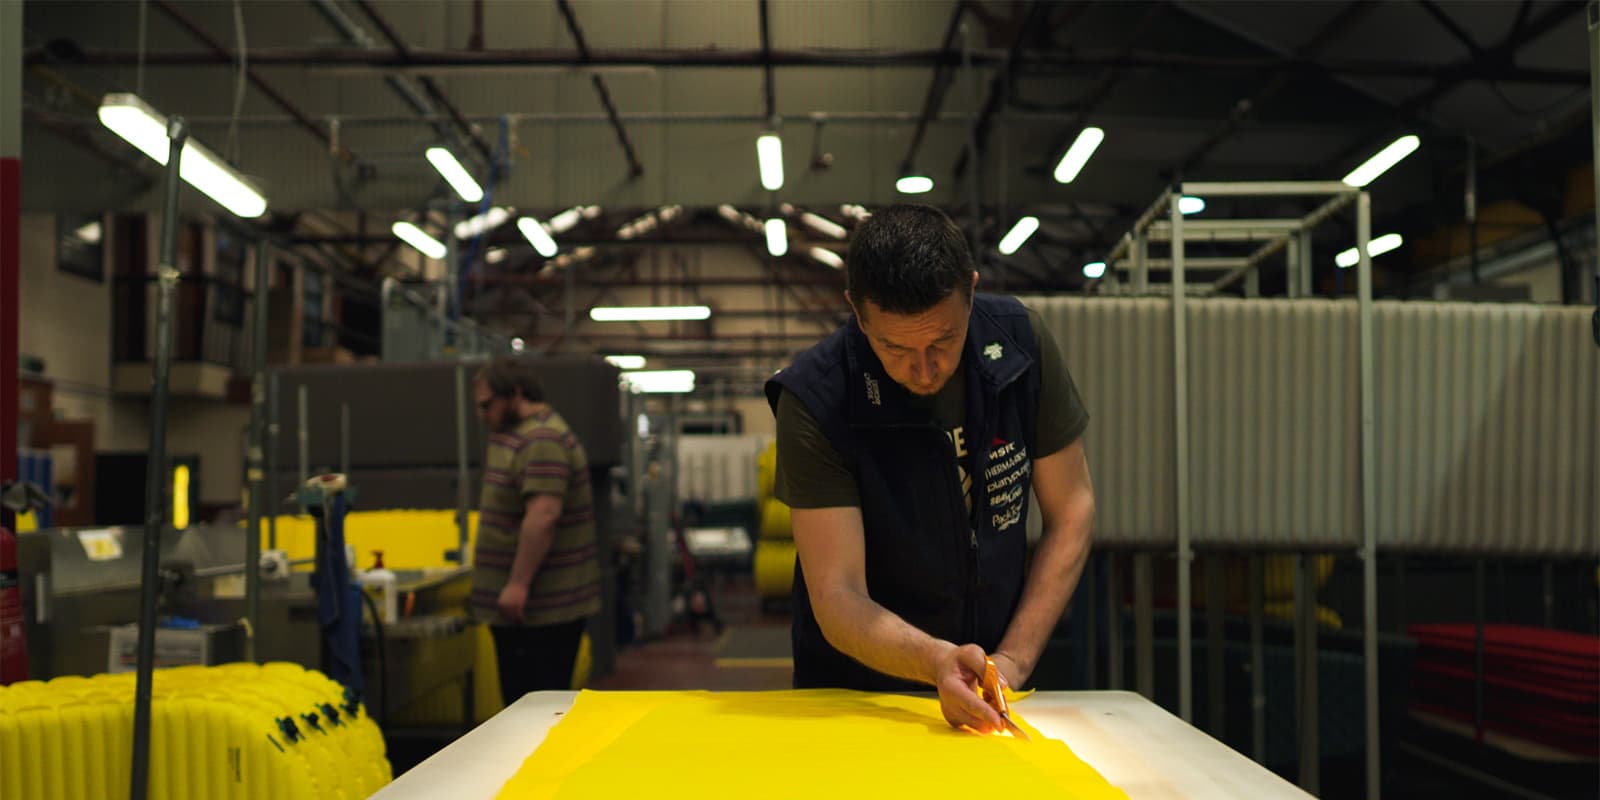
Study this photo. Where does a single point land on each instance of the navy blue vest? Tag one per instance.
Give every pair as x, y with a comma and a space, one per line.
924, 561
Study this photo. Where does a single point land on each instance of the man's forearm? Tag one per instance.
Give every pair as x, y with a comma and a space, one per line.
1057, 565
860, 628
533, 542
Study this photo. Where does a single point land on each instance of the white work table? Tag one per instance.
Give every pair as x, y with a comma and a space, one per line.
1135, 744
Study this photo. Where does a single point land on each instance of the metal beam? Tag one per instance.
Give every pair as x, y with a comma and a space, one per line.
1030, 26
766, 57
223, 56
635, 169
1476, 67
1246, 108
435, 60
405, 54
937, 88
1455, 29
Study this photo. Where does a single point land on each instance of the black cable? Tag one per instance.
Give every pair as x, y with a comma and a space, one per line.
383, 660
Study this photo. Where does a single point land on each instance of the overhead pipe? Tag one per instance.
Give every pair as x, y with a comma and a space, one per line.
948, 56
357, 35
1000, 83
221, 52
766, 59
432, 60
427, 83
635, 169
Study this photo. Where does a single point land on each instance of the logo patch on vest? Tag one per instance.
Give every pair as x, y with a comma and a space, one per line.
873, 394
1006, 482
992, 351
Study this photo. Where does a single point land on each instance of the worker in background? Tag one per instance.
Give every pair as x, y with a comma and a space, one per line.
908, 441
536, 578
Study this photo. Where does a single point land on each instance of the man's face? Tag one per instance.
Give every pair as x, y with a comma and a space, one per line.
919, 351
496, 412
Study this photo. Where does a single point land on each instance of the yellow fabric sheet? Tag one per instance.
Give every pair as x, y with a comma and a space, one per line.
807, 744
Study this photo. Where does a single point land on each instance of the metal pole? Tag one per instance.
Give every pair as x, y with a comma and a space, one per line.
1113, 623
258, 436
1307, 288
973, 175
1144, 625
303, 431
1472, 209
270, 502
1180, 417
156, 471
1594, 133
1141, 262
1547, 580
1215, 642
463, 490
1369, 491
1478, 589
1305, 601
1258, 676
1292, 271
344, 439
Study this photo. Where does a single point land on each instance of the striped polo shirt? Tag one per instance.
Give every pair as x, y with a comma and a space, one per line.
540, 456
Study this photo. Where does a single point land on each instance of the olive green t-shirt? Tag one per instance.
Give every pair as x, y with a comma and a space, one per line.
811, 473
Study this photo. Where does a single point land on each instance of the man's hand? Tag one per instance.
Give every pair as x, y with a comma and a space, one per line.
957, 671
512, 600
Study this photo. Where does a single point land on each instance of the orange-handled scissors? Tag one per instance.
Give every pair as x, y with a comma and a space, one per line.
996, 698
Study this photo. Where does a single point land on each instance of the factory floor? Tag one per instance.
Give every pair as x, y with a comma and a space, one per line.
705, 658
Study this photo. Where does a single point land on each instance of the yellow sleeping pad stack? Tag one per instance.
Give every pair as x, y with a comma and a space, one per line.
246, 731
774, 557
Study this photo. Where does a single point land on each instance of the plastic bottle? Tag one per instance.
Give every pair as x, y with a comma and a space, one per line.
380, 583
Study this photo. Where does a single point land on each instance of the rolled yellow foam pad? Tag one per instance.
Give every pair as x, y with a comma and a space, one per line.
236, 731
774, 567
766, 472
775, 520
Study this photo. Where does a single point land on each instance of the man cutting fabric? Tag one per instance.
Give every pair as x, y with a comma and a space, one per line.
908, 441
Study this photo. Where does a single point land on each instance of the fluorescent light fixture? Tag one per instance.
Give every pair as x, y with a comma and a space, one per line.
494, 255
414, 236
1019, 233
777, 237
1094, 269
537, 236
454, 174
769, 154
823, 225
1375, 248
661, 381
1191, 205
855, 212
914, 184
128, 116
828, 257
626, 362
569, 219
482, 223
518, 345
1380, 163
1078, 154
89, 232
648, 313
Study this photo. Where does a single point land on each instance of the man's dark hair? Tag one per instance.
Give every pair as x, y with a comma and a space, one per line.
907, 259
505, 375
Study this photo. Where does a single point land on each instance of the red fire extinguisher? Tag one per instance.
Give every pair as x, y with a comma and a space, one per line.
13, 645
